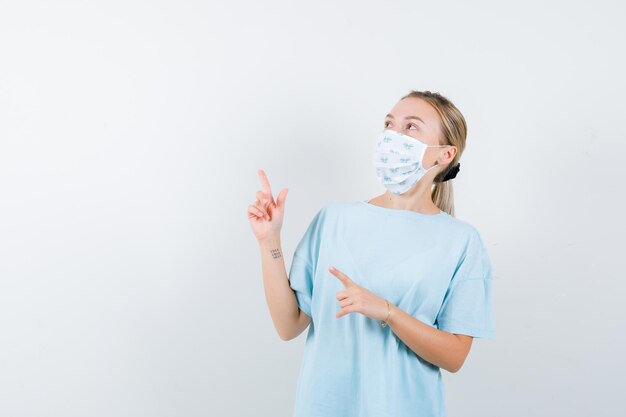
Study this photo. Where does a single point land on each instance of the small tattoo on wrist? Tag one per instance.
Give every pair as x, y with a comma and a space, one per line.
275, 253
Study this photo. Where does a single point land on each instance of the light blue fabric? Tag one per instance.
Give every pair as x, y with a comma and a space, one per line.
434, 267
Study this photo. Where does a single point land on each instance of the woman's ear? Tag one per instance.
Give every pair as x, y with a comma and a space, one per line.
448, 154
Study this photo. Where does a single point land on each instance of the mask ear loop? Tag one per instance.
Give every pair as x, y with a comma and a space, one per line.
424, 153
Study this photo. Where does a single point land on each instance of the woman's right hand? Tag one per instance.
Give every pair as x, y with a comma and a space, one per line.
265, 214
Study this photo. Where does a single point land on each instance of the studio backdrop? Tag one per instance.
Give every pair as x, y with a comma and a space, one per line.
131, 133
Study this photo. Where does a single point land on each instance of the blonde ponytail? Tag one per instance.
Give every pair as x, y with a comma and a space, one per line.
454, 131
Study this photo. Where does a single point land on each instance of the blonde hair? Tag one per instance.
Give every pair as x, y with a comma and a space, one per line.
454, 131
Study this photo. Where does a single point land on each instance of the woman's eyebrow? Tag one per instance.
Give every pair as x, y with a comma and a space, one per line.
406, 118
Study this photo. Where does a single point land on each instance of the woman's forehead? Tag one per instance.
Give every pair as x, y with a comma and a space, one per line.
410, 107
415, 107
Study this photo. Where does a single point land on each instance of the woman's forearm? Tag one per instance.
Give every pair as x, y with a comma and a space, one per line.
281, 300
438, 347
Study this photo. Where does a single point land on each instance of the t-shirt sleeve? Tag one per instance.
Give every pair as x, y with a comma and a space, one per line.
304, 263
467, 307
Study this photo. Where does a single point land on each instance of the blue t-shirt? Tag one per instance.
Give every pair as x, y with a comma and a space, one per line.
433, 267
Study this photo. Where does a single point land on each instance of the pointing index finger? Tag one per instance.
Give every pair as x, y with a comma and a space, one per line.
342, 277
266, 184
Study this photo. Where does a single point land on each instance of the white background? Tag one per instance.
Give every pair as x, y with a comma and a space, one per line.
130, 137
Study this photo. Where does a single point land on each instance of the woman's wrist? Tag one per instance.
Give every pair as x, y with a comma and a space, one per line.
387, 320
270, 240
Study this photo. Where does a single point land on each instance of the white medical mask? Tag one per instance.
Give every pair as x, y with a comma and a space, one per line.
399, 160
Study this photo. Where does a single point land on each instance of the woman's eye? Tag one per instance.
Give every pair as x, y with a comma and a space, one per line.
386, 124
413, 126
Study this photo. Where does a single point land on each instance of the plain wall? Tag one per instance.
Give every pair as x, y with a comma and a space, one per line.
130, 137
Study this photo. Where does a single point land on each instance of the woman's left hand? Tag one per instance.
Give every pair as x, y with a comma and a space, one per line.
357, 299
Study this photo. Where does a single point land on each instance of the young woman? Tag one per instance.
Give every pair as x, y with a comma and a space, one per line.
394, 288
